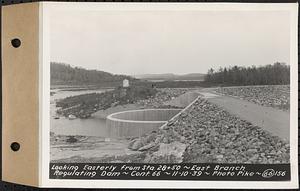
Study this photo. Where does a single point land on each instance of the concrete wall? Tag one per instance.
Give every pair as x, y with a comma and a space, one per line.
146, 115
135, 123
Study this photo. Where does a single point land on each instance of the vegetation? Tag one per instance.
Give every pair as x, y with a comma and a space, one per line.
276, 74
64, 74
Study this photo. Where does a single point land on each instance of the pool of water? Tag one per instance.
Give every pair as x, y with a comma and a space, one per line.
64, 126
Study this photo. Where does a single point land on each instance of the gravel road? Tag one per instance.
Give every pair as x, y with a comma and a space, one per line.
270, 119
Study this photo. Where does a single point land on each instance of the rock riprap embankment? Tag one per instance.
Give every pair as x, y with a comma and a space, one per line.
211, 134
83, 106
162, 96
277, 96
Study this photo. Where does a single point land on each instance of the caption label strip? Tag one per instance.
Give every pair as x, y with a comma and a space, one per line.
241, 172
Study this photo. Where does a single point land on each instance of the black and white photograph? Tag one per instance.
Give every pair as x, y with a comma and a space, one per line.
170, 87
161, 92
150, 95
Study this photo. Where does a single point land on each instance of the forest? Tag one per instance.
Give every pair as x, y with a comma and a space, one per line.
276, 74
64, 74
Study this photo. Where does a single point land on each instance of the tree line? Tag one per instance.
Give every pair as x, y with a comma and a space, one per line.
64, 74
275, 74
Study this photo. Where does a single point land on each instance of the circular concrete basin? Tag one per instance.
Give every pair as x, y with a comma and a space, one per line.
135, 123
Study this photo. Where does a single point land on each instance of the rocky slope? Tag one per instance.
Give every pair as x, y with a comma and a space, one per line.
211, 134
277, 96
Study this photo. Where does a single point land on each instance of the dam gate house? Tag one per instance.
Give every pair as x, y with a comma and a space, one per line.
125, 83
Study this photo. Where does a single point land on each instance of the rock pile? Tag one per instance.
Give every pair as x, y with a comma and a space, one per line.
83, 106
162, 96
167, 153
146, 142
212, 135
272, 96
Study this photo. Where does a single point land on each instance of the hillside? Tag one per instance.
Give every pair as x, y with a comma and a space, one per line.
172, 77
64, 74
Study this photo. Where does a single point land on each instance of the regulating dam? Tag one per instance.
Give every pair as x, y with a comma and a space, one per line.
135, 123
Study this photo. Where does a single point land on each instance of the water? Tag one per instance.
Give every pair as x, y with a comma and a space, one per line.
64, 126
86, 127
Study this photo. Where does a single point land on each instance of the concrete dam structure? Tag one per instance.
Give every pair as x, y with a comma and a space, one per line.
134, 123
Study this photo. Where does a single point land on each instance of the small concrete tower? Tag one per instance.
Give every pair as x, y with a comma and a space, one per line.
125, 83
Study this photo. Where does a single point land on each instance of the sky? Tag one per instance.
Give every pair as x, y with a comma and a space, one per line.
179, 42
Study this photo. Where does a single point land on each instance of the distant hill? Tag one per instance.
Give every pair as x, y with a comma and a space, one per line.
172, 77
64, 74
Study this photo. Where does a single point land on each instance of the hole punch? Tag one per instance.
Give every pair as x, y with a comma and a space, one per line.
15, 146
16, 42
